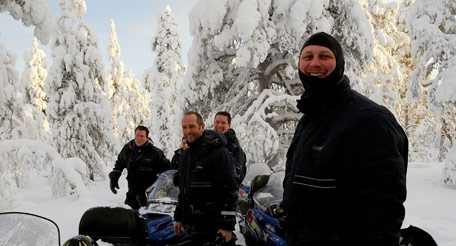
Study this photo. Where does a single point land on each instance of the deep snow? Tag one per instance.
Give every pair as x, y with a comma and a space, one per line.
430, 205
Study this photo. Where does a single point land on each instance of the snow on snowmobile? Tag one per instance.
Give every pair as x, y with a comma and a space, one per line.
149, 225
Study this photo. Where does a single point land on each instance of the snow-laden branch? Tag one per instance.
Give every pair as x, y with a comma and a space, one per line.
258, 127
32, 12
20, 157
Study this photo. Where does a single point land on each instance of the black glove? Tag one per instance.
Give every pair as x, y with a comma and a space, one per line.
114, 177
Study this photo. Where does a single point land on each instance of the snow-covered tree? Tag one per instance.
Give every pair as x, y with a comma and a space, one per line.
385, 79
242, 48
34, 76
32, 12
162, 82
449, 171
267, 120
432, 28
9, 195
11, 97
78, 111
68, 177
128, 100
65, 176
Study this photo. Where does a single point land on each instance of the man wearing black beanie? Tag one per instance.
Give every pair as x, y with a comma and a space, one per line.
346, 166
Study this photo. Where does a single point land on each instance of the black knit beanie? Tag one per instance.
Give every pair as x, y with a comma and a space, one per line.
315, 85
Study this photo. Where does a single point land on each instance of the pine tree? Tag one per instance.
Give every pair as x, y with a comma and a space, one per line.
34, 76
79, 113
162, 82
36, 100
128, 100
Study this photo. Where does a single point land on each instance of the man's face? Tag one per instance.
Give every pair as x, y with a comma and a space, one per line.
221, 123
140, 137
190, 128
317, 61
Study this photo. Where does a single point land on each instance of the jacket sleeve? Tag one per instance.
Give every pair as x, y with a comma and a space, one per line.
121, 161
179, 207
225, 182
175, 160
178, 210
163, 162
377, 169
240, 159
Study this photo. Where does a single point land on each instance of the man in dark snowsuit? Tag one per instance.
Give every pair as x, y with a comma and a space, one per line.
208, 189
143, 162
222, 123
345, 181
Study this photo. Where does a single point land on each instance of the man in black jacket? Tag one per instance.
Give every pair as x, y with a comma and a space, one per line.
222, 123
346, 166
143, 162
208, 190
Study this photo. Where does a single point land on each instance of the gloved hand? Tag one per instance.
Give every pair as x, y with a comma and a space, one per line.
114, 177
277, 212
281, 215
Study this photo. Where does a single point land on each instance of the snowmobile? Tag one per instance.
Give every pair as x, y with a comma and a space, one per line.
149, 225
253, 171
26, 229
17, 228
260, 224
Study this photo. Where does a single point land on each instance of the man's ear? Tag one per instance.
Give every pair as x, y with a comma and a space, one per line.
203, 126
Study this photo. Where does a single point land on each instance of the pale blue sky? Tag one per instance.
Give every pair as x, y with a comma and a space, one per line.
135, 26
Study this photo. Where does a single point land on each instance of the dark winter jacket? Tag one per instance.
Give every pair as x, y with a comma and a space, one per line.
176, 158
345, 172
143, 167
235, 148
208, 189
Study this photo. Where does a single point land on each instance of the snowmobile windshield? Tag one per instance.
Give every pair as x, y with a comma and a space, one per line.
254, 170
163, 190
27, 229
271, 193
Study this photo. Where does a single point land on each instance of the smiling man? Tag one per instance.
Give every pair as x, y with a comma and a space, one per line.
222, 123
143, 162
208, 190
345, 171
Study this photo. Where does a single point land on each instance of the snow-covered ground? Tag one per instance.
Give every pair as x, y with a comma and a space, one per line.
429, 205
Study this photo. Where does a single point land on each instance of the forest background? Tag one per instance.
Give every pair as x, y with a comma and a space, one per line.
66, 121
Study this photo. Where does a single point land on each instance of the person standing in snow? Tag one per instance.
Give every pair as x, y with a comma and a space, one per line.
222, 123
143, 162
345, 181
206, 206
